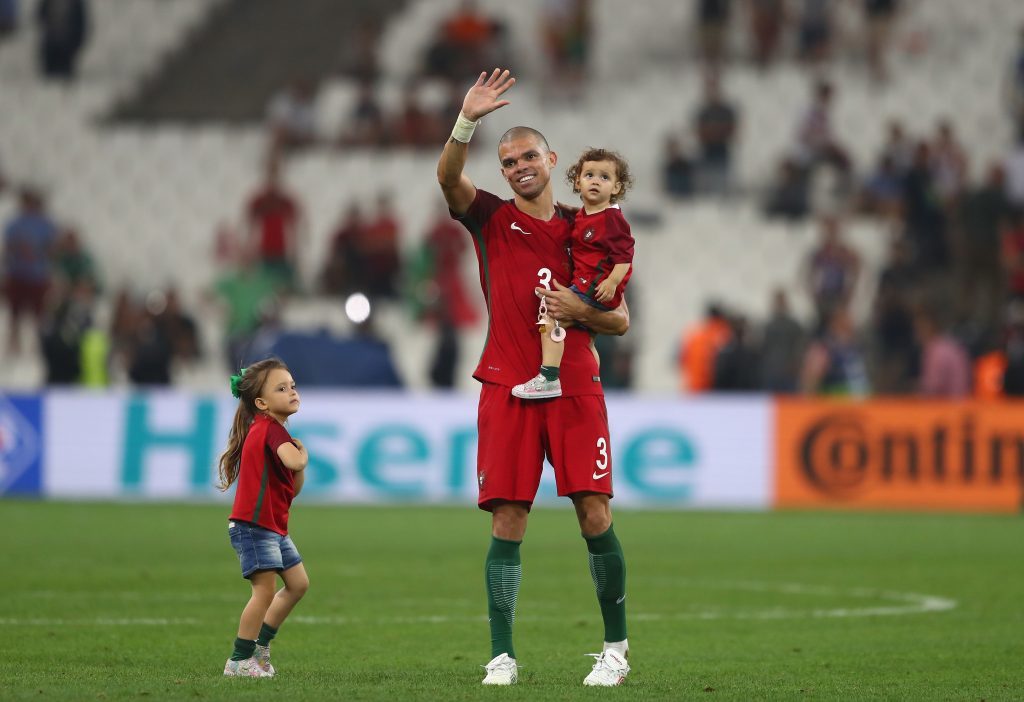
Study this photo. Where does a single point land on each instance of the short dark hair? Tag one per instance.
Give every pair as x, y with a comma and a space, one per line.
521, 132
593, 154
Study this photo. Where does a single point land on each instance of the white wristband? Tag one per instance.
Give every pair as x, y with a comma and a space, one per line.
464, 128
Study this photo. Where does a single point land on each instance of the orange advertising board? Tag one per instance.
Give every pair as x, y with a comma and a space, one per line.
899, 454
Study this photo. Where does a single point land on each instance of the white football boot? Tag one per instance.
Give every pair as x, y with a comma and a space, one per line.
502, 670
609, 670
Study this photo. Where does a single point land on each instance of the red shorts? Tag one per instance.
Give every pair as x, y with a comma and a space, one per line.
515, 436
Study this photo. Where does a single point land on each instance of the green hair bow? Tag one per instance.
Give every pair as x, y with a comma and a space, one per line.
236, 381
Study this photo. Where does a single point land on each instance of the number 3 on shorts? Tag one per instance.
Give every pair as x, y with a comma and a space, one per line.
601, 462
544, 274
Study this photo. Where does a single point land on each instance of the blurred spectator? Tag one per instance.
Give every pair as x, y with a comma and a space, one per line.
72, 262
445, 358
29, 240
615, 355
379, 251
178, 327
816, 141
987, 374
713, 30
344, 271
445, 296
700, 347
291, 116
834, 361
151, 353
249, 293
949, 164
895, 346
1015, 88
566, 27
831, 271
945, 367
63, 30
366, 124
782, 347
415, 127
273, 218
716, 123
882, 194
677, 170
767, 20
1013, 347
1014, 167
898, 148
123, 321
737, 364
8, 18
359, 55
925, 218
815, 31
1013, 253
788, 196
463, 45
879, 16
63, 330
979, 275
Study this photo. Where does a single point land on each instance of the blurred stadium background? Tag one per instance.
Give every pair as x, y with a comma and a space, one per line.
826, 312
828, 202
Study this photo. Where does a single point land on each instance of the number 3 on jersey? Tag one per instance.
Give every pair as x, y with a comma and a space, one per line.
545, 277
601, 462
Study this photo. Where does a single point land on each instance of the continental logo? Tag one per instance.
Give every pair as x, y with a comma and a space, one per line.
900, 454
842, 452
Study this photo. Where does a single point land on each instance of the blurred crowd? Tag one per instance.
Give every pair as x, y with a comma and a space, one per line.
947, 314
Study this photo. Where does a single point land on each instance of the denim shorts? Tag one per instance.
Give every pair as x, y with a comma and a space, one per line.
261, 549
588, 299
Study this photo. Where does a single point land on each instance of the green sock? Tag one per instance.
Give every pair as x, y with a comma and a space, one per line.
608, 568
549, 372
503, 572
244, 648
267, 633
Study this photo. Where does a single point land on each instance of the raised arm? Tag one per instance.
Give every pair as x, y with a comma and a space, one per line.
565, 306
482, 99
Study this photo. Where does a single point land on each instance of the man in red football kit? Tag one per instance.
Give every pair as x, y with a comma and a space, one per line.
522, 247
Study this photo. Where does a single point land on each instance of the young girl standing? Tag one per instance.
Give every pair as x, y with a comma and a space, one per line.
268, 465
602, 257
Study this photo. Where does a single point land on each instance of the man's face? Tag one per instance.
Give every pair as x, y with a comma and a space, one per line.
526, 166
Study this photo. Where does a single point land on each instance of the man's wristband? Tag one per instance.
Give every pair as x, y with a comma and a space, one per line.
464, 128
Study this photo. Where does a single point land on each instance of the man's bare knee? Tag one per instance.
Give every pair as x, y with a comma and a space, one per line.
508, 520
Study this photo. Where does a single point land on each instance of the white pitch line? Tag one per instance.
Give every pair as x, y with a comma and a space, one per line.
903, 603
99, 621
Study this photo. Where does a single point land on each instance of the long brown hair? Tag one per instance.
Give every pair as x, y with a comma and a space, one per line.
246, 386
621, 171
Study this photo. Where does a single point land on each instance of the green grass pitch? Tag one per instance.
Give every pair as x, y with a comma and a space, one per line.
140, 601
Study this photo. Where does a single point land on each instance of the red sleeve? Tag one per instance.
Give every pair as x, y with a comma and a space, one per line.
277, 435
617, 236
484, 206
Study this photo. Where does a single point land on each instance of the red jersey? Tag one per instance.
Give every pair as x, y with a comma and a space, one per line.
265, 488
599, 241
518, 253
275, 214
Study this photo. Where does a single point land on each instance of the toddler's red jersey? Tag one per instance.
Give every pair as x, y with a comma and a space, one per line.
265, 488
518, 253
599, 241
